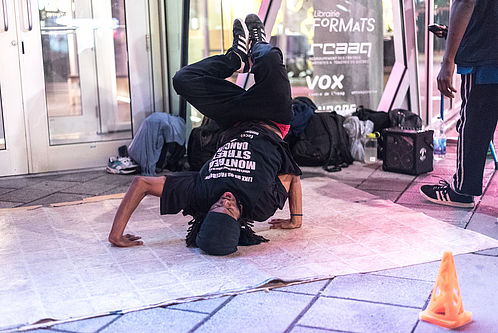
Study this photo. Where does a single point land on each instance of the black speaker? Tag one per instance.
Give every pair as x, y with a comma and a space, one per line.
407, 151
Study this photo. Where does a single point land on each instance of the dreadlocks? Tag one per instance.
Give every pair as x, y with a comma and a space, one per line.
247, 235
193, 229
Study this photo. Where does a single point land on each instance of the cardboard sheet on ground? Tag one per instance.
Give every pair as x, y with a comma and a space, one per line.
56, 262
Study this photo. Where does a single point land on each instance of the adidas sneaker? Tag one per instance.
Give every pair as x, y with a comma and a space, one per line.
256, 29
443, 194
241, 44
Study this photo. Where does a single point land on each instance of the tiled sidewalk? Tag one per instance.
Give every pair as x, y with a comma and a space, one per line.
385, 301
59, 187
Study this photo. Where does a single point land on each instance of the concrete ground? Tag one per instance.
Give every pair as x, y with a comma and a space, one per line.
382, 301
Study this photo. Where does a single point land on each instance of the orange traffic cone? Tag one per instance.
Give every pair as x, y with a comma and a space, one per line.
445, 307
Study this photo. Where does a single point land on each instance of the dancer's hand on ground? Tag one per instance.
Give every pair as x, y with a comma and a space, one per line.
126, 241
285, 223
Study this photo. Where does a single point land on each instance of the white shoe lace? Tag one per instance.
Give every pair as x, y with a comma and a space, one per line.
259, 35
442, 187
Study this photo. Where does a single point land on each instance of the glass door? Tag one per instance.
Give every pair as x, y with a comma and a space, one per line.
75, 71
451, 106
12, 129
74, 59
85, 71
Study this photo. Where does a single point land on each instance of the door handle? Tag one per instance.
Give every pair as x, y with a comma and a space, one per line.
4, 15
29, 14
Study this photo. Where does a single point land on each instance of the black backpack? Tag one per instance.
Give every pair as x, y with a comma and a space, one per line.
202, 143
405, 119
303, 109
324, 143
379, 118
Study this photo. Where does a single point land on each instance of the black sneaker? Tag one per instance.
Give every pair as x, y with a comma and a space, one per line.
241, 44
443, 194
256, 29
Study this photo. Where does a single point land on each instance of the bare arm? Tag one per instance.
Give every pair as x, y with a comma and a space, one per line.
292, 184
139, 188
461, 12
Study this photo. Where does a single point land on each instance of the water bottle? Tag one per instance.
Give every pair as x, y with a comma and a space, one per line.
439, 140
371, 147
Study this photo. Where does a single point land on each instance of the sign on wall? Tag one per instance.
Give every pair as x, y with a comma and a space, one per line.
347, 55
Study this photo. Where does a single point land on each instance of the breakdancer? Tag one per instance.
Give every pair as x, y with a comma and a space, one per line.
252, 174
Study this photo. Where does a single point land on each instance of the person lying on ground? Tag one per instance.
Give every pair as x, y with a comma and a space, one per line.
252, 174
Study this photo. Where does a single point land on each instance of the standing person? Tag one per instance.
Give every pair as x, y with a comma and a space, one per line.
472, 45
252, 173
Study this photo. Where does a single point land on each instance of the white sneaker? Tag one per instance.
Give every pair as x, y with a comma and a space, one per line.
121, 165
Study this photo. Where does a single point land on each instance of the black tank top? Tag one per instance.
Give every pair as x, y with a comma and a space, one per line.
479, 45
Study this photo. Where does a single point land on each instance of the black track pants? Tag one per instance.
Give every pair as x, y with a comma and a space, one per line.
204, 86
476, 126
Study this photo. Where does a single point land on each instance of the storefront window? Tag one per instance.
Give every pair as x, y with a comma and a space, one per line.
432, 99
442, 16
388, 35
422, 68
2, 135
338, 53
210, 31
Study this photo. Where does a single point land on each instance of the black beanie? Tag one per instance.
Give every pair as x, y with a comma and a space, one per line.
219, 234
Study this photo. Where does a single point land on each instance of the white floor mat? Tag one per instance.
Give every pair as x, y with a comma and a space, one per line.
56, 262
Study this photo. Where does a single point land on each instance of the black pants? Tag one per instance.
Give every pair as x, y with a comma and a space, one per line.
204, 86
476, 126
